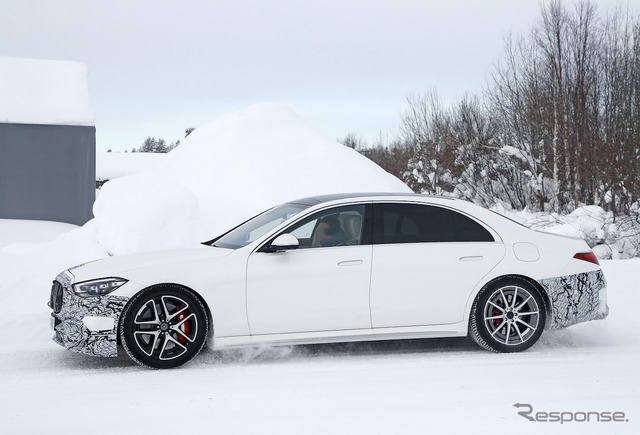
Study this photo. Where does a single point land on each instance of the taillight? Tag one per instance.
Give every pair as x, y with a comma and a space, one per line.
587, 256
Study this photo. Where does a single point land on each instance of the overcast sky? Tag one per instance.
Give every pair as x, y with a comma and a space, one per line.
160, 66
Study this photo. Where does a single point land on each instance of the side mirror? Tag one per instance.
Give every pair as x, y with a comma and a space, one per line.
283, 242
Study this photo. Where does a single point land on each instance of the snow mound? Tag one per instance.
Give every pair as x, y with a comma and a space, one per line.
31, 231
608, 239
144, 211
114, 165
232, 168
588, 223
44, 92
27, 264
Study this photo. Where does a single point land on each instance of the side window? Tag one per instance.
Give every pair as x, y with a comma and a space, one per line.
415, 223
471, 231
338, 226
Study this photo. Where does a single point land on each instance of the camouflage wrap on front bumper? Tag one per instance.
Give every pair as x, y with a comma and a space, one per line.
576, 298
70, 330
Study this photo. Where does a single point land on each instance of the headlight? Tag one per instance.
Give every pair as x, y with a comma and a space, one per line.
98, 287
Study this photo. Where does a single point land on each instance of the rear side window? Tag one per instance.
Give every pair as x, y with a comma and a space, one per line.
415, 223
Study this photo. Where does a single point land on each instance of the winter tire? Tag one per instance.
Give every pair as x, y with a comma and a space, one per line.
163, 327
508, 316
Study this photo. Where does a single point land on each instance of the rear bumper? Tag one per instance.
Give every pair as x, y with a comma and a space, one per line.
576, 298
85, 325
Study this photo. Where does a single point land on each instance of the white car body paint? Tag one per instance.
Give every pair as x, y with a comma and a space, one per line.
309, 290
434, 286
348, 293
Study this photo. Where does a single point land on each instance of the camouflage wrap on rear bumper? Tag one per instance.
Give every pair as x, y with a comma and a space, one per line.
70, 330
576, 298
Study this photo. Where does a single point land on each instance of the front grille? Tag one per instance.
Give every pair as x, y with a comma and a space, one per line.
56, 297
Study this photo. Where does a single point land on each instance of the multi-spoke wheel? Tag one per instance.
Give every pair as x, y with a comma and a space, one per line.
163, 327
508, 316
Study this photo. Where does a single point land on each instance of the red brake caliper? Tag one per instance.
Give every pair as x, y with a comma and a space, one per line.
184, 327
494, 313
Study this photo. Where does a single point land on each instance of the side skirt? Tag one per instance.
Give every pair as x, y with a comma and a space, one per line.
375, 334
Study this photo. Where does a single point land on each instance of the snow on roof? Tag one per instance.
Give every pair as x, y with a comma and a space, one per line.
227, 171
44, 92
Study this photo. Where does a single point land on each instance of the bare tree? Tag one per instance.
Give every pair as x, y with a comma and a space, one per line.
557, 127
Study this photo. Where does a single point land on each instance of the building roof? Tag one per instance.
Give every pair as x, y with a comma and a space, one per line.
45, 92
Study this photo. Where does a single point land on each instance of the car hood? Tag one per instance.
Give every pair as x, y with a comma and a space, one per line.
118, 266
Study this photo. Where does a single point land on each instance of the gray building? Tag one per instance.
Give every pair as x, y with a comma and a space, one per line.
47, 141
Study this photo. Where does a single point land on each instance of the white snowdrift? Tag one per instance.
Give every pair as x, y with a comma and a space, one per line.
608, 239
32, 253
225, 172
29, 231
145, 211
44, 92
114, 165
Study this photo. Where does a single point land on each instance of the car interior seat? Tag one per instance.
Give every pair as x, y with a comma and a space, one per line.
351, 224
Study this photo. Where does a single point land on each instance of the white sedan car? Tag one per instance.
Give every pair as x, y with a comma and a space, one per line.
332, 269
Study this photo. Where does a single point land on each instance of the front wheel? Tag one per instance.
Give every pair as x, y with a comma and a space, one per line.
508, 316
163, 327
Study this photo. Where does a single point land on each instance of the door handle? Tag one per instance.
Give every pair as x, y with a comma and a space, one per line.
471, 258
350, 263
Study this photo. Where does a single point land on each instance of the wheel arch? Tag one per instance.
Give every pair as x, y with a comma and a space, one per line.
529, 280
180, 287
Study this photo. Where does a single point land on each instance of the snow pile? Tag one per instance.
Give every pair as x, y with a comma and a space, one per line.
145, 211
44, 92
114, 165
31, 231
225, 172
32, 253
608, 239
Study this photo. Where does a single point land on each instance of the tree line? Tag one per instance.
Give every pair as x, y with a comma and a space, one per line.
556, 127
153, 145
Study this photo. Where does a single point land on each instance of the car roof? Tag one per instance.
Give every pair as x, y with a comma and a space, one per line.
319, 199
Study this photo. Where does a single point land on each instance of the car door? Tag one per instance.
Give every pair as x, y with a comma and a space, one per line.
321, 286
426, 261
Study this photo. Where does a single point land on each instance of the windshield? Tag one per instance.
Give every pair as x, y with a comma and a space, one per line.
256, 227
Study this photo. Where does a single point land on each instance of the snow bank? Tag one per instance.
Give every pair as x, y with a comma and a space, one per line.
145, 211
608, 239
588, 223
31, 231
227, 171
32, 253
115, 165
44, 92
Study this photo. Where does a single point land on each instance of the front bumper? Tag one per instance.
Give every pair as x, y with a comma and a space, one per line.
576, 298
85, 325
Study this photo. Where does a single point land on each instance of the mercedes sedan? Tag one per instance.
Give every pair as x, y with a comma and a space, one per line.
336, 268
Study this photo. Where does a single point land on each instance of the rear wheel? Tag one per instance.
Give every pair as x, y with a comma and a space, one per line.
508, 316
163, 327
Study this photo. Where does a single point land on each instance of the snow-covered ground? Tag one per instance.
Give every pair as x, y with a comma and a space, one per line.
115, 165
447, 386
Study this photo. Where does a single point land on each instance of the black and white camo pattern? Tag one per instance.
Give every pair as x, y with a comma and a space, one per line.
575, 298
71, 333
